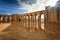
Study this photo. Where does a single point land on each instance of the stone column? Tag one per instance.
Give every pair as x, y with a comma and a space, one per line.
29, 22
9, 19
39, 22
29, 18
32, 18
35, 22
35, 18
25, 18
32, 28
14, 18
21, 18
5, 18
1, 19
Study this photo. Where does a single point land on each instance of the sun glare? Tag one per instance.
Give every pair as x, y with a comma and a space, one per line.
51, 3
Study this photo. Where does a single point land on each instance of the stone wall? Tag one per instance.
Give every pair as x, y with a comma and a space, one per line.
52, 20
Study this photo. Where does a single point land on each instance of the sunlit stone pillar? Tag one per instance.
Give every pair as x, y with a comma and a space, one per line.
35, 17
5, 18
32, 18
9, 19
25, 18
39, 17
1, 19
32, 26
29, 22
21, 18
14, 17
39, 22
35, 22
25, 23
29, 18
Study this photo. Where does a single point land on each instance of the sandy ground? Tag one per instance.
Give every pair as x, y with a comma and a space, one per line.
4, 26
18, 31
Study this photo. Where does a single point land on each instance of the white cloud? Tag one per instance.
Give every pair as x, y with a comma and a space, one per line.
39, 5
51, 2
8, 13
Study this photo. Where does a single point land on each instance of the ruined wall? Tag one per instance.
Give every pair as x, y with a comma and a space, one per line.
51, 22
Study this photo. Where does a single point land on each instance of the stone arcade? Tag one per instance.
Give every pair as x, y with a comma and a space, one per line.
51, 19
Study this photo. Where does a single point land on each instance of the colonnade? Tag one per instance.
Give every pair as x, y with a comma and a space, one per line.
28, 16
5, 18
51, 19
33, 16
32, 21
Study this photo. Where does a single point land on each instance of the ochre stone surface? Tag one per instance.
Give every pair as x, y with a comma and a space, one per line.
28, 27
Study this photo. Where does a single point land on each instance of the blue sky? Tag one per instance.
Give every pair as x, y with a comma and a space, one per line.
9, 6
23, 6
